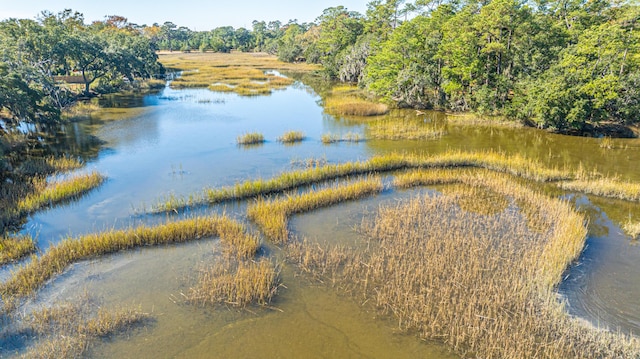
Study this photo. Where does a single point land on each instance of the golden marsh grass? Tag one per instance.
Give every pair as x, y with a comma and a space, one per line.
605, 187
250, 138
236, 283
49, 194
28, 278
352, 137
405, 129
272, 216
13, 248
291, 137
632, 229
495, 161
483, 284
353, 106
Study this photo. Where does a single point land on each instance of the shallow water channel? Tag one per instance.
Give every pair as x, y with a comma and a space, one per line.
180, 141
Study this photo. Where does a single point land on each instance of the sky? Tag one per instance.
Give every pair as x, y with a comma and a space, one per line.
197, 15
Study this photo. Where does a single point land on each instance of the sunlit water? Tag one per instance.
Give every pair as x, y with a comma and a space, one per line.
181, 141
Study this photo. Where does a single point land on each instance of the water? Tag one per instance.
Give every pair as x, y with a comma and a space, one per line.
181, 141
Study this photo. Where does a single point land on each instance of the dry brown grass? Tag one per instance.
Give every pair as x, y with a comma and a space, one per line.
236, 283
632, 229
483, 284
70, 330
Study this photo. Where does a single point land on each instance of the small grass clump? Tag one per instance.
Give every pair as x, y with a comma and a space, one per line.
15, 248
605, 187
81, 110
56, 192
49, 165
70, 330
28, 278
250, 138
272, 216
353, 137
237, 283
291, 137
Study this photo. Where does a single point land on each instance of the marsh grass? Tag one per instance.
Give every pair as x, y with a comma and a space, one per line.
81, 110
70, 330
13, 248
605, 187
494, 161
405, 129
272, 216
243, 74
28, 278
291, 137
236, 283
482, 283
351, 137
250, 138
353, 106
606, 143
49, 194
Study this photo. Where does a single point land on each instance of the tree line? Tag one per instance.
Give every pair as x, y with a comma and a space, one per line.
39, 57
559, 64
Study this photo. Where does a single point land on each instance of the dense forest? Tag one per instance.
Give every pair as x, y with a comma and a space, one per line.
563, 65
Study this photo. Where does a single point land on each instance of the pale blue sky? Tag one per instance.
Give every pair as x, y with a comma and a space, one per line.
195, 14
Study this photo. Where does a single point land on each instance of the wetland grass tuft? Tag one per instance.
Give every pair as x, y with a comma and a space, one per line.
237, 283
352, 137
14, 248
272, 216
28, 278
483, 284
291, 137
53, 193
250, 138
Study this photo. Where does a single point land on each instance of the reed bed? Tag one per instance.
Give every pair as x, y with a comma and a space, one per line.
495, 161
81, 110
353, 106
237, 283
28, 278
483, 284
250, 138
605, 187
59, 191
13, 248
291, 137
351, 137
405, 129
272, 216
70, 330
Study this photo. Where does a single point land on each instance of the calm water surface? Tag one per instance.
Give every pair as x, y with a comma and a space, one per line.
180, 141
